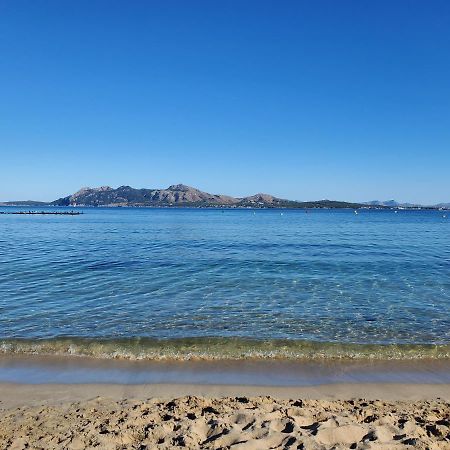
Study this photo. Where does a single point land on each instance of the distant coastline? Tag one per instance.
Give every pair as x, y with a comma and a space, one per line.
182, 196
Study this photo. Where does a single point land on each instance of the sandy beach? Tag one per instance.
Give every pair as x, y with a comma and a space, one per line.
339, 416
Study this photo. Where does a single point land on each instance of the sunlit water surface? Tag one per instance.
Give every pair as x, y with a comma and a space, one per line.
122, 279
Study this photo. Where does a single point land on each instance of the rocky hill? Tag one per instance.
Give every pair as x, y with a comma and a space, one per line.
182, 195
175, 195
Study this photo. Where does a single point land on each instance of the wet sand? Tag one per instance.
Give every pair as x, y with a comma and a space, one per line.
78, 403
39, 369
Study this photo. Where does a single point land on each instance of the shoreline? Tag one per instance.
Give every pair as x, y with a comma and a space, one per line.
208, 348
39, 369
303, 412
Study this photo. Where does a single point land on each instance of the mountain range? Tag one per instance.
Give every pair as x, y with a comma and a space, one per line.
185, 196
395, 204
181, 195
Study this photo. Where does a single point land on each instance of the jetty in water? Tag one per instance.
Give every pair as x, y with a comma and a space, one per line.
44, 213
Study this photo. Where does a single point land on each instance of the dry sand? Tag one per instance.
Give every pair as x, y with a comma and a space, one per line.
396, 416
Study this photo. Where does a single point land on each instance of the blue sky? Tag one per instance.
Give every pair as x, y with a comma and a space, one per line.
305, 100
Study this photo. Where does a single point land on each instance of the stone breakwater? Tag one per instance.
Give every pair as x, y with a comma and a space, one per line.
43, 213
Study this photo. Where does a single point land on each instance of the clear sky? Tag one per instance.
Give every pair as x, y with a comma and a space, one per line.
314, 99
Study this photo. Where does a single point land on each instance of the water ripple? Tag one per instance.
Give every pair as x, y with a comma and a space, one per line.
326, 277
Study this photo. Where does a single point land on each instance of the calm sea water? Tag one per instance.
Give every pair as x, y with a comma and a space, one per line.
123, 280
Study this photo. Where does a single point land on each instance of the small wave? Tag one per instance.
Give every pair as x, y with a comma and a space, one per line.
218, 349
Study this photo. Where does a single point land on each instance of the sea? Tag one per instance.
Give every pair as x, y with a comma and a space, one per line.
178, 284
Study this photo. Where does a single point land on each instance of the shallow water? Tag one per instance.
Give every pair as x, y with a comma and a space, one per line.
248, 277
76, 370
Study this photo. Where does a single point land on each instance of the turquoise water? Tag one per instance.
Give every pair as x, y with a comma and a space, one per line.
210, 283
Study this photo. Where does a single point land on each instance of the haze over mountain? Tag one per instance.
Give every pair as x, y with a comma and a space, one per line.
392, 204
396, 204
